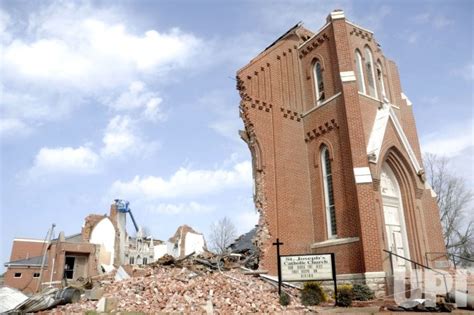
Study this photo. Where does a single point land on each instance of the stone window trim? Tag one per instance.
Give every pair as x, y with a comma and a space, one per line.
335, 242
327, 101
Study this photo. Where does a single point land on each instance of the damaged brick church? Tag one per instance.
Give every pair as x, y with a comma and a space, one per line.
336, 157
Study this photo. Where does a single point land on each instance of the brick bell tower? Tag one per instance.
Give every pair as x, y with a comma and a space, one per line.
336, 158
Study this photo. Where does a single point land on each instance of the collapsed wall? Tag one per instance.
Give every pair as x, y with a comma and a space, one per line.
186, 241
262, 237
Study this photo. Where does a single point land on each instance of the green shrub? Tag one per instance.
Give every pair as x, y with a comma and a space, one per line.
344, 295
312, 294
361, 292
285, 299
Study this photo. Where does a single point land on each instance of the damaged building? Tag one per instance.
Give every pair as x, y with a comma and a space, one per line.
336, 157
102, 245
66, 259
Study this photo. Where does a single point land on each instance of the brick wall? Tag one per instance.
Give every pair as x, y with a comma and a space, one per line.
280, 111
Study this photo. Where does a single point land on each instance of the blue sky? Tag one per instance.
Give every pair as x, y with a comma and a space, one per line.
136, 100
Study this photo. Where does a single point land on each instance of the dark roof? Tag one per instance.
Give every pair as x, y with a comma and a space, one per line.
75, 238
244, 242
33, 261
284, 35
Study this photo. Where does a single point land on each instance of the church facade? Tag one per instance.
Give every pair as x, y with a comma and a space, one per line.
336, 157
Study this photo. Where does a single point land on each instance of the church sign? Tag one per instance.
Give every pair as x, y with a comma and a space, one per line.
307, 267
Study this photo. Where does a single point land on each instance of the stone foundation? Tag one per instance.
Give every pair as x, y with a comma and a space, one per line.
376, 281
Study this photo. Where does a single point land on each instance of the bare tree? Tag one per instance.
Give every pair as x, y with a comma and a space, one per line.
455, 203
222, 234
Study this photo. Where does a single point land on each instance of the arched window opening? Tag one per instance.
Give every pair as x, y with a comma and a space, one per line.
369, 66
318, 82
328, 193
380, 78
360, 72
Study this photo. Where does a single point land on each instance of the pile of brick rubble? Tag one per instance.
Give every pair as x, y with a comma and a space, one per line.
179, 289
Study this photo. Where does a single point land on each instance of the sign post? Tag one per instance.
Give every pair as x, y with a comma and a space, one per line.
277, 244
334, 279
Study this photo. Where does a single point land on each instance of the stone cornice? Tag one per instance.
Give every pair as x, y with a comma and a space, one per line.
335, 242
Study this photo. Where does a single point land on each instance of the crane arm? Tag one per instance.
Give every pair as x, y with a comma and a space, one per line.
133, 219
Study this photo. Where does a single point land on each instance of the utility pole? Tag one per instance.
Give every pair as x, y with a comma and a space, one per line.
48, 242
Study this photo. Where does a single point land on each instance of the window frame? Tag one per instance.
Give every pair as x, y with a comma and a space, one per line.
370, 61
330, 208
17, 273
383, 90
360, 72
318, 80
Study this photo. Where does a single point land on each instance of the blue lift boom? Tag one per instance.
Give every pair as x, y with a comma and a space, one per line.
122, 206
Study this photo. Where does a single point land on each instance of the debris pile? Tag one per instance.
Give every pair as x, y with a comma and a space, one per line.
246, 247
421, 305
194, 288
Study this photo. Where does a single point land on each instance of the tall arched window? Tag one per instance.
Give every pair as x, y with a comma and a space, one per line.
369, 65
360, 72
381, 79
318, 82
328, 192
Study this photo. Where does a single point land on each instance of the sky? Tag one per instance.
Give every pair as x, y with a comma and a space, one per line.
136, 100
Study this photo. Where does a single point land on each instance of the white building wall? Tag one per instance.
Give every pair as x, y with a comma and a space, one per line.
160, 250
104, 234
194, 243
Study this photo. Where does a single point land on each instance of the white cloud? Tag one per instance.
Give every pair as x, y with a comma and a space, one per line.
228, 128
289, 13
441, 21
13, 127
30, 108
430, 100
422, 18
222, 104
180, 208
66, 54
81, 160
246, 221
4, 23
137, 97
436, 21
446, 145
89, 53
184, 183
450, 141
121, 140
466, 72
